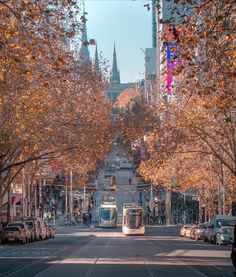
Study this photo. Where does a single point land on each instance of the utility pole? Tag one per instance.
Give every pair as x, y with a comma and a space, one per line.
223, 188
40, 197
168, 207
84, 193
35, 200
9, 205
66, 204
71, 195
23, 193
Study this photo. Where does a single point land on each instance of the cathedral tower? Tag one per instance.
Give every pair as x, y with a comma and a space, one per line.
84, 51
115, 73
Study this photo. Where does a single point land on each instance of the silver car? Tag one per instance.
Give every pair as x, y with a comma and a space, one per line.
223, 236
23, 226
221, 226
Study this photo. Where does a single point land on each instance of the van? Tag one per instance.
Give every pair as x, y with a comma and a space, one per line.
42, 228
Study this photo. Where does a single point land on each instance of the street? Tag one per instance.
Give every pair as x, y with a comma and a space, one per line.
77, 251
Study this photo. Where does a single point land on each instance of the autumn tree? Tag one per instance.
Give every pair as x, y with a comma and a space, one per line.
51, 106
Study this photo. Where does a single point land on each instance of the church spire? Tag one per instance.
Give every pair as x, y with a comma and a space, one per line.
96, 65
115, 73
84, 51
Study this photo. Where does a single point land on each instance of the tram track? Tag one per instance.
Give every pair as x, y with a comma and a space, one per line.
140, 254
92, 267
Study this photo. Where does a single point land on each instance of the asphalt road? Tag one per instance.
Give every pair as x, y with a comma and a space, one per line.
108, 253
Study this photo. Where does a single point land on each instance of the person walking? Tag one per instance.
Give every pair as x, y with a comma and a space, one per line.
90, 218
84, 218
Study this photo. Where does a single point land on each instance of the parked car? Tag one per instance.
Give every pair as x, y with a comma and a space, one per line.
23, 226
34, 227
188, 232
205, 231
51, 229
13, 233
42, 228
233, 252
217, 225
222, 237
199, 232
225, 234
183, 230
192, 231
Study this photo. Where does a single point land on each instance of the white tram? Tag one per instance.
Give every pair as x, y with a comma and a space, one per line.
133, 219
108, 215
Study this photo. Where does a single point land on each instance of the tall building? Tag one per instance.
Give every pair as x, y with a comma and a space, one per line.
154, 23
115, 73
96, 61
84, 51
115, 87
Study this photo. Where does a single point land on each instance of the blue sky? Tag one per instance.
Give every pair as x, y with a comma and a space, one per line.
129, 25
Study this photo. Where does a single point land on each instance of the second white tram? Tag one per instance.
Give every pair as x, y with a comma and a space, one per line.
108, 215
133, 219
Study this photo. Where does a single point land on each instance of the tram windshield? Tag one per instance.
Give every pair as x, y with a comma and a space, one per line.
134, 218
108, 213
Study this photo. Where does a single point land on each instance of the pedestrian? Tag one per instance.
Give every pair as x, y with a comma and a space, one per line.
84, 218
90, 218
233, 253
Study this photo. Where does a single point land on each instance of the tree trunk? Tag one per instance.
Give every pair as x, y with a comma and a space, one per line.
9, 204
168, 207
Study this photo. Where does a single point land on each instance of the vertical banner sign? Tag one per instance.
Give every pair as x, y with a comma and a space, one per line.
171, 54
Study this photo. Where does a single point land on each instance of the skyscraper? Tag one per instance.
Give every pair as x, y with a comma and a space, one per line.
115, 73
154, 23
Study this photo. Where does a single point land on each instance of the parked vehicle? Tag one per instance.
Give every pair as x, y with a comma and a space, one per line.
233, 252
14, 233
199, 232
192, 231
51, 231
222, 237
221, 224
183, 230
188, 232
205, 231
42, 228
34, 227
23, 226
